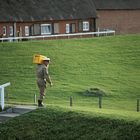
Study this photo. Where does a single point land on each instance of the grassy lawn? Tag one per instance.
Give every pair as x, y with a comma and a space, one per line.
111, 64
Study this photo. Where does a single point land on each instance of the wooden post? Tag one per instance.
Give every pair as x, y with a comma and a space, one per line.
138, 105
35, 99
100, 101
70, 101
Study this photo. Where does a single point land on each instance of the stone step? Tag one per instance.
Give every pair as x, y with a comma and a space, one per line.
15, 111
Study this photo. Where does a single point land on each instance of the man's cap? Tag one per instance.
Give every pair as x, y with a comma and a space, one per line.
46, 58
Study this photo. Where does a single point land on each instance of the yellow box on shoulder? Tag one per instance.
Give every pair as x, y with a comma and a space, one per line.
37, 59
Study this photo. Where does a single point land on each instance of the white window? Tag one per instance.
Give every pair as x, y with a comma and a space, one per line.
67, 28
85, 26
4, 30
11, 32
46, 29
73, 28
56, 28
26, 30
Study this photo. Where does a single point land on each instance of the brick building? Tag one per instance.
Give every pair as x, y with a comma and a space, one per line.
49, 17
45, 17
123, 16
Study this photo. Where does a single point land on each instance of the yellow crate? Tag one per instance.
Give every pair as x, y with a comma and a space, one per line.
37, 59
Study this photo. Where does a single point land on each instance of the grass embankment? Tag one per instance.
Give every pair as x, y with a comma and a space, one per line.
108, 63
60, 124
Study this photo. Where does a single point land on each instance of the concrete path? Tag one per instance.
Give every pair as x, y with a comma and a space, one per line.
15, 111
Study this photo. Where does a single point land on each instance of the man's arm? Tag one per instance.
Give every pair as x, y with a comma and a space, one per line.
46, 76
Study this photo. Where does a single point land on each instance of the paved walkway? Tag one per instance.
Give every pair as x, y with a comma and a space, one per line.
15, 111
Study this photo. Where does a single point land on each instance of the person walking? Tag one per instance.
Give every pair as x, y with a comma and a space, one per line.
42, 78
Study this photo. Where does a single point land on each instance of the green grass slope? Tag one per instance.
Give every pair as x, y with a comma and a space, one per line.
109, 63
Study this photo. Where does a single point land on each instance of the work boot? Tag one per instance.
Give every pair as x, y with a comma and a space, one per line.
40, 104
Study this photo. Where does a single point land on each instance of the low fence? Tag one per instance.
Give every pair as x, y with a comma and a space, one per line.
87, 34
72, 101
99, 102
